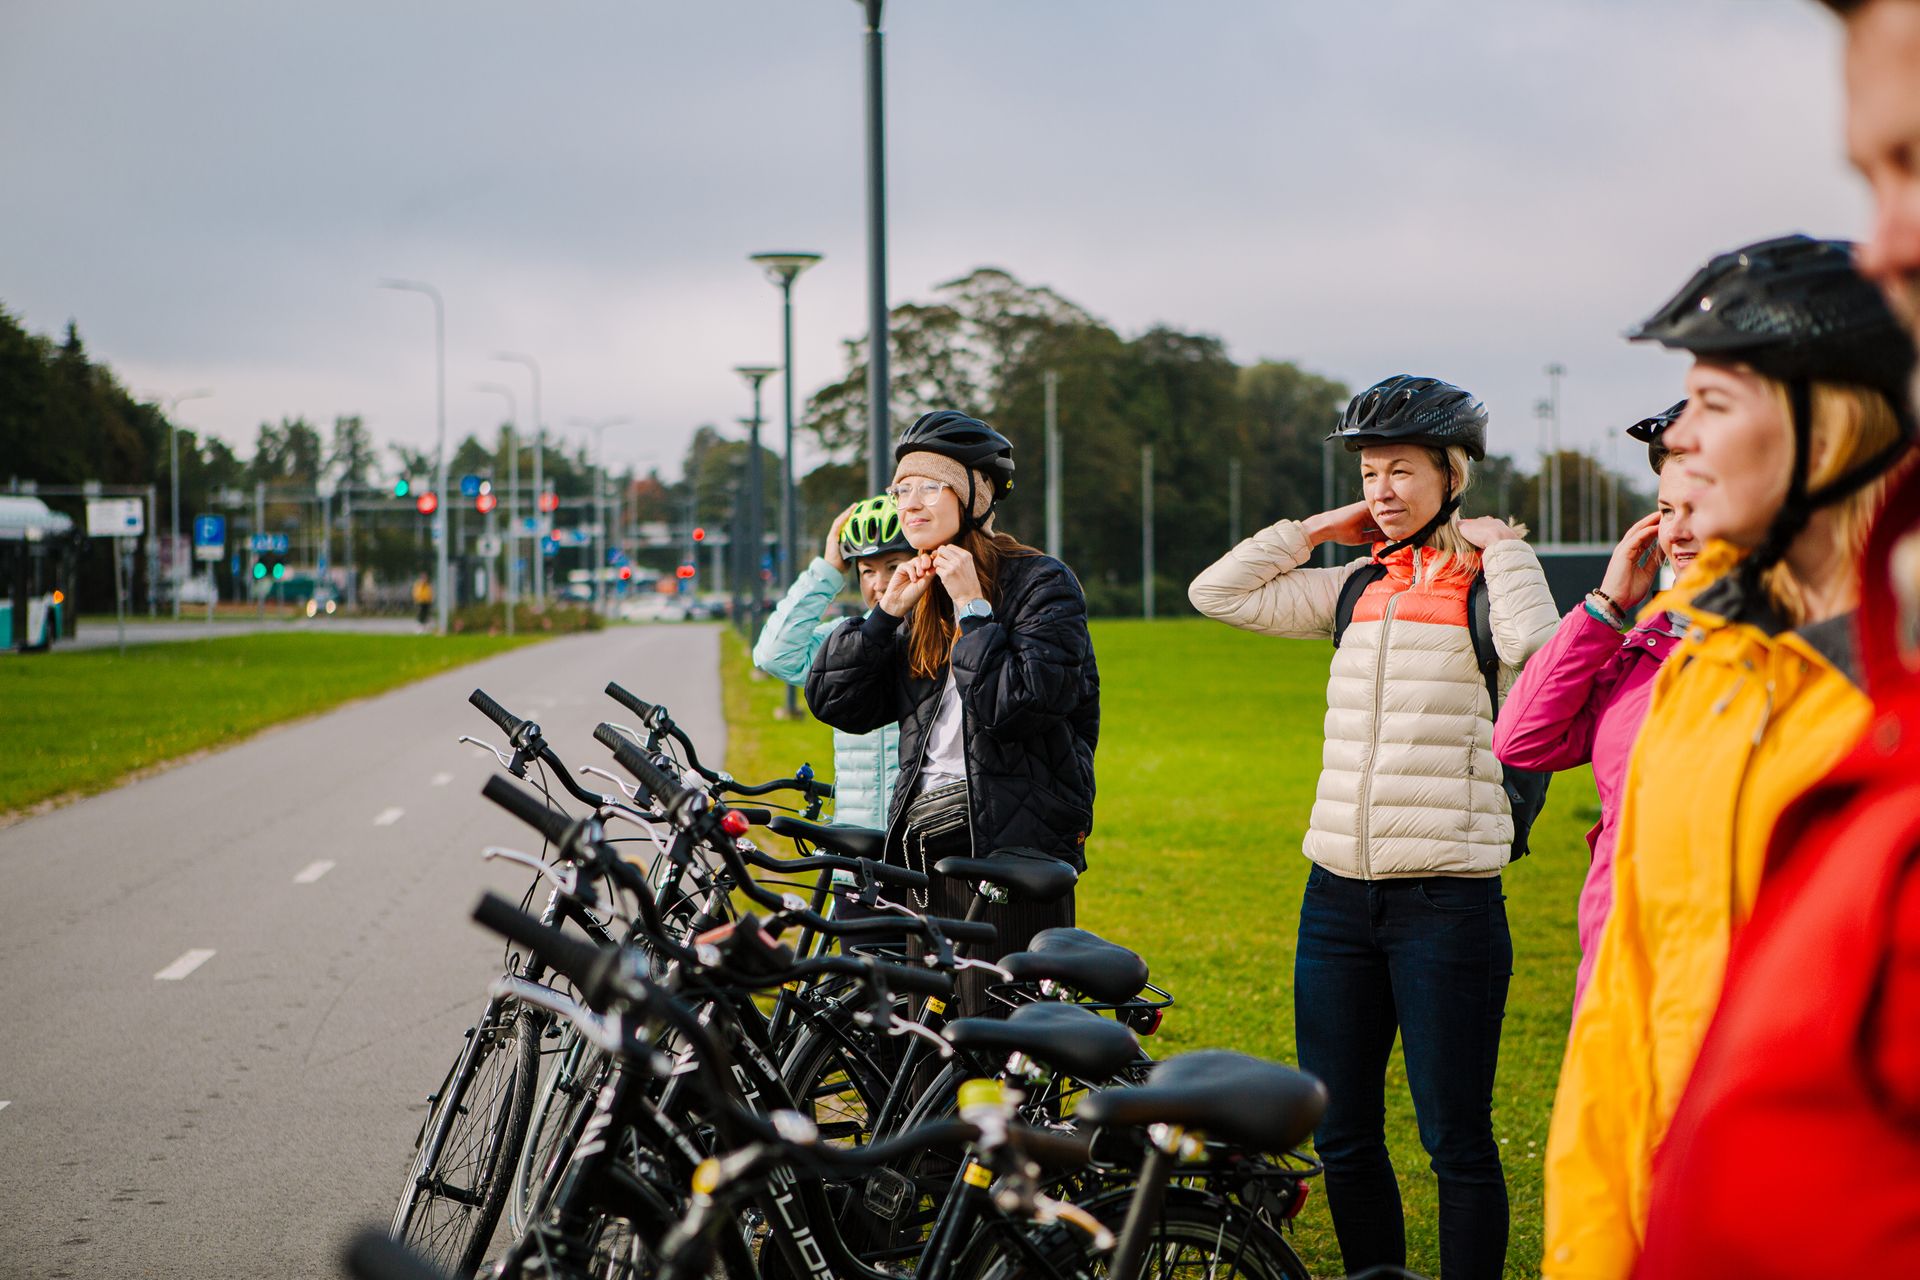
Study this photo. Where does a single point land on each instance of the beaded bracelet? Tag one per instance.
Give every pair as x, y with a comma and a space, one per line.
1605, 611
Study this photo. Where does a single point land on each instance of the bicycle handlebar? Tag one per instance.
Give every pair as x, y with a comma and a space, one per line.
822, 789
588, 964
670, 794
550, 823
509, 723
658, 721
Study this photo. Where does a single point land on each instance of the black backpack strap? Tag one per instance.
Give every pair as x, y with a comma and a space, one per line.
1480, 627
1350, 592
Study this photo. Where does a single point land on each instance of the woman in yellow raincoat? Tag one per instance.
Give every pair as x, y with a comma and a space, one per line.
1795, 412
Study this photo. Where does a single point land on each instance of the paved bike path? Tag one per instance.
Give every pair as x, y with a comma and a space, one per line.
168, 1113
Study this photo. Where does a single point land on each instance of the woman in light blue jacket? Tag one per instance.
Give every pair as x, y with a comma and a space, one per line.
867, 535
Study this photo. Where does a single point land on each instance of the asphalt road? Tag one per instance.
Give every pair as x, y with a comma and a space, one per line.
313, 886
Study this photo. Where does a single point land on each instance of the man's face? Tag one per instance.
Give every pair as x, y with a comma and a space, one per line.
1883, 139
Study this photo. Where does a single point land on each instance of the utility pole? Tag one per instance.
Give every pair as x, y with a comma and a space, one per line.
1555, 372
1051, 380
878, 326
1146, 531
1327, 549
1233, 502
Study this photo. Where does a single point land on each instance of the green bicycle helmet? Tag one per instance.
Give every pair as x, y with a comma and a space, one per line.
873, 529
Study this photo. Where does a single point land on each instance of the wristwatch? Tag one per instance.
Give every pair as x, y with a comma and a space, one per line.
974, 608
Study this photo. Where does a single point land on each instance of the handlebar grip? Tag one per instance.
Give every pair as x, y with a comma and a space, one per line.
578, 959
968, 930
887, 873
906, 980
758, 817
645, 710
508, 722
631, 758
523, 805
374, 1255
1055, 1150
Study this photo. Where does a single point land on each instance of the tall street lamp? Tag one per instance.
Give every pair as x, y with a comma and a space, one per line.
167, 405
755, 546
440, 437
598, 427
783, 269
878, 325
538, 543
513, 491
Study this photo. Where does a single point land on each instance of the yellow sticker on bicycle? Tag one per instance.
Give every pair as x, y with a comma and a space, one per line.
977, 1175
936, 1005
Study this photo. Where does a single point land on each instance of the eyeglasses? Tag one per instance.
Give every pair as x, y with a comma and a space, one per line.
927, 491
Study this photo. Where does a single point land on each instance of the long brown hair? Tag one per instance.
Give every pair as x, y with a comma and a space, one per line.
932, 632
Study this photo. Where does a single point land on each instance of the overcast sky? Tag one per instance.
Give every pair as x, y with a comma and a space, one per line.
1470, 189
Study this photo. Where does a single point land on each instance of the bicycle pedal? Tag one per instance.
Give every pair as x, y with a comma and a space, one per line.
887, 1194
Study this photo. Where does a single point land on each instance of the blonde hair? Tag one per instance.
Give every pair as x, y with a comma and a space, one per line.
1447, 540
1850, 425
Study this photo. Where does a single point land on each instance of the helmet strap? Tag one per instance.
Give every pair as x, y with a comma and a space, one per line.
967, 519
1419, 537
1794, 513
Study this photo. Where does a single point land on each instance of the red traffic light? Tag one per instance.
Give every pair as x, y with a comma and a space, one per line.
626, 573
684, 571
485, 503
699, 535
549, 502
427, 503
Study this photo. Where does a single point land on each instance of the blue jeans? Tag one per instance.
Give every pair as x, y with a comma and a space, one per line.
1430, 958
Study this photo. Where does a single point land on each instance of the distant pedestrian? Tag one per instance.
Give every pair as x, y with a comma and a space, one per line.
423, 597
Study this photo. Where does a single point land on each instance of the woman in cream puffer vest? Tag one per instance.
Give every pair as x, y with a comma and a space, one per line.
1403, 928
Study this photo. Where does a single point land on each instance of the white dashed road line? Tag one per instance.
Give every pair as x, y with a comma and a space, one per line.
185, 965
442, 779
387, 817
314, 871
5, 1105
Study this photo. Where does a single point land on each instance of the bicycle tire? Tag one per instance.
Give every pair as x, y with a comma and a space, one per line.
566, 1088
458, 1179
1196, 1237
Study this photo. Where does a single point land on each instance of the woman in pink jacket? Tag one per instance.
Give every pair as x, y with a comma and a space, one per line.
1581, 699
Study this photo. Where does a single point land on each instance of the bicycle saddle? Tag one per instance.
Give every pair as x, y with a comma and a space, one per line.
1246, 1101
1065, 1037
1027, 873
1084, 961
848, 842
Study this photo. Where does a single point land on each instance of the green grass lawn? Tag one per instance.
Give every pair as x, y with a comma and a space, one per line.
82, 721
1209, 750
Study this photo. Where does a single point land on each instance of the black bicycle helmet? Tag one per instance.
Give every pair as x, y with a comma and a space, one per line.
971, 443
1648, 431
1410, 409
1796, 310
1406, 409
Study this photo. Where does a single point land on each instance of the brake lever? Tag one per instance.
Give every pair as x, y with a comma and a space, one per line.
506, 761
631, 791
566, 881
988, 965
900, 1026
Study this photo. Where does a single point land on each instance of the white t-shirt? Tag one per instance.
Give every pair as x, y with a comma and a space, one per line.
946, 759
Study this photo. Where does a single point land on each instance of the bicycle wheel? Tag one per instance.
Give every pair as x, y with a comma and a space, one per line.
457, 1182
1197, 1237
572, 1073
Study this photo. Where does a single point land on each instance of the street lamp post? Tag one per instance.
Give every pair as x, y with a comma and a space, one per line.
1555, 372
755, 544
599, 468
537, 545
783, 269
167, 405
878, 326
440, 438
513, 491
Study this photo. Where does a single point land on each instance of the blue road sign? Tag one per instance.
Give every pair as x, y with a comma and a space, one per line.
270, 543
469, 486
209, 531
549, 547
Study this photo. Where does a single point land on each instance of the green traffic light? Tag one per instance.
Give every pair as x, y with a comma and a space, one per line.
279, 572
400, 488
259, 571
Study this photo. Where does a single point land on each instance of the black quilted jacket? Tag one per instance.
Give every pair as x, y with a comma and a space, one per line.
1030, 701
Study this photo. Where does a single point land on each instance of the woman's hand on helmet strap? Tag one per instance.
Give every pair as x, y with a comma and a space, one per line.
1350, 526
832, 554
1635, 564
909, 582
1484, 531
957, 573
